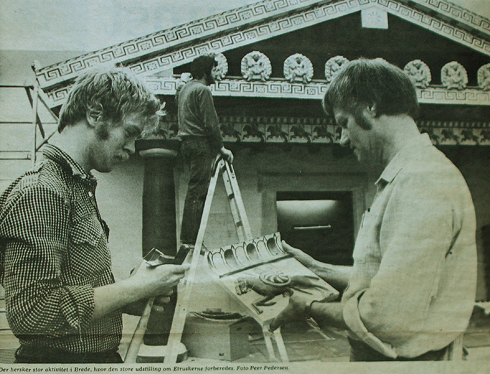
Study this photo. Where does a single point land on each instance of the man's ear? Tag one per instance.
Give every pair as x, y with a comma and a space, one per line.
371, 110
94, 115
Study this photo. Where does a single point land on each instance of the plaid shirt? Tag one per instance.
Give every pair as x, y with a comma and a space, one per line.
53, 252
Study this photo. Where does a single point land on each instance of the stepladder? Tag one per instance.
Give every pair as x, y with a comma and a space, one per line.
226, 171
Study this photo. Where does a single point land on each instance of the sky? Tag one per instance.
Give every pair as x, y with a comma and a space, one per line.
90, 25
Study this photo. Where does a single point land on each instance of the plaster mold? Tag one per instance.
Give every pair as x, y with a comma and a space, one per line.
251, 252
290, 130
262, 277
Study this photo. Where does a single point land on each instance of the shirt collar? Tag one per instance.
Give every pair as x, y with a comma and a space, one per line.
411, 148
57, 155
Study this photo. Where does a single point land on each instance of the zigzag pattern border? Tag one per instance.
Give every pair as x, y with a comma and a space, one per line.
248, 36
322, 12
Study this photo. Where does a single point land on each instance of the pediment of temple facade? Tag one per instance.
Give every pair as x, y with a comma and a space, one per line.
291, 49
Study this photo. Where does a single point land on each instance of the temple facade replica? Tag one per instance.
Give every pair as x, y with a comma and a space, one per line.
276, 59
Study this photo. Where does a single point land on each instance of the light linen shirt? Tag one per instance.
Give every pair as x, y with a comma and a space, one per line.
414, 277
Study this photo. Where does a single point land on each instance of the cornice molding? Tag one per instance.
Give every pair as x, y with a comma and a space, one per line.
172, 38
279, 88
454, 12
260, 21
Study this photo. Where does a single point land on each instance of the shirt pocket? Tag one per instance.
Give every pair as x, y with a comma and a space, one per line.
89, 255
87, 231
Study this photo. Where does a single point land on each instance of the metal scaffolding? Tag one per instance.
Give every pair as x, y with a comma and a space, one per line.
34, 96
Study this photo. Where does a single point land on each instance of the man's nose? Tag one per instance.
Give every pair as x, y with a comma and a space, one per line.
130, 147
344, 138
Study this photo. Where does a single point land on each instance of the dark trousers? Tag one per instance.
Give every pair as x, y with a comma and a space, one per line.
199, 157
360, 351
43, 355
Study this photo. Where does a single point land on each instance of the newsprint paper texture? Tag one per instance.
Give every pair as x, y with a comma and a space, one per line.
54, 31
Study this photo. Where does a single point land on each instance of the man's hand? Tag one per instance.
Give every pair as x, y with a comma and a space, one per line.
335, 275
299, 255
295, 310
227, 154
159, 280
137, 308
145, 282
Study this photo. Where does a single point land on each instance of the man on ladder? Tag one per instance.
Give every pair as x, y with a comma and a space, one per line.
201, 141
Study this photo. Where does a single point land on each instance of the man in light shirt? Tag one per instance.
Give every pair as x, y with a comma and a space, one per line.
411, 290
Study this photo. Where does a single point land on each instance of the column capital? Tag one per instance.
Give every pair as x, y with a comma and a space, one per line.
158, 148
158, 153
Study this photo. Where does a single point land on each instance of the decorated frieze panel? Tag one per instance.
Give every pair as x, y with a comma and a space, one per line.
267, 130
456, 133
281, 88
149, 54
277, 130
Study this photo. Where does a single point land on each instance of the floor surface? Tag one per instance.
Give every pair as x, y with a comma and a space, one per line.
303, 342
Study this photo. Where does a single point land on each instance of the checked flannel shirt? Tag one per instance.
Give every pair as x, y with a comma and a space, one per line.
53, 253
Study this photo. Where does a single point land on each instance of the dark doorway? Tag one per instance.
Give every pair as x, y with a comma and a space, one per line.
319, 223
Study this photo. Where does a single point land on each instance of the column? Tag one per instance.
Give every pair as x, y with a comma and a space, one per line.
159, 225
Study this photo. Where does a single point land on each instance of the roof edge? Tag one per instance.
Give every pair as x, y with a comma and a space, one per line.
173, 39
